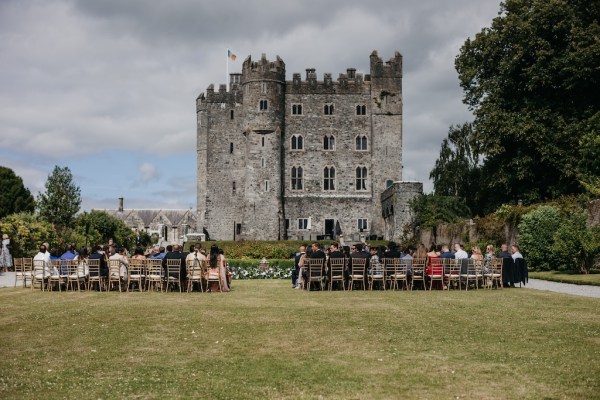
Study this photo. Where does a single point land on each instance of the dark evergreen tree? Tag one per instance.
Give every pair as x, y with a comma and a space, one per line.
62, 198
14, 196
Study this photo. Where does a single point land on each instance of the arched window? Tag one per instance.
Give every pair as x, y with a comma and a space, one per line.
231, 114
296, 178
361, 109
329, 178
297, 142
328, 109
361, 178
296, 109
328, 142
361, 143
263, 105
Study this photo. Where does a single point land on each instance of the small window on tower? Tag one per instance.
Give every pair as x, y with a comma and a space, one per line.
230, 148
361, 109
263, 142
328, 109
296, 109
263, 105
231, 114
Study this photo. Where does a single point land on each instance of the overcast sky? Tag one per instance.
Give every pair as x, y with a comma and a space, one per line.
108, 87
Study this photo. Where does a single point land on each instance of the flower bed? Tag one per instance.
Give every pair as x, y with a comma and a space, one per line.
250, 269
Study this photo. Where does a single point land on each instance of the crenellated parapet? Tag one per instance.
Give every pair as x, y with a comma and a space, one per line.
346, 83
389, 69
263, 70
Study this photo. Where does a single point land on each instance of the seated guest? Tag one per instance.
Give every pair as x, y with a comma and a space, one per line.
296, 270
446, 253
98, 255
408, 255
392, 251
44, 256
358, 253
460, 252
138, 254
516, 253
69, 254
81, 258
160, 255
124, 262
477, 254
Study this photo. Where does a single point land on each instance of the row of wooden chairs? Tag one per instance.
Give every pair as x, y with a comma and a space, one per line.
142, 275
394, 273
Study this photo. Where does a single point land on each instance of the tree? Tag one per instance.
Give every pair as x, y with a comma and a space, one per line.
536, 236
576, 246
98, 227
14, 196
533, 82
456, 171
62, 199
27, 231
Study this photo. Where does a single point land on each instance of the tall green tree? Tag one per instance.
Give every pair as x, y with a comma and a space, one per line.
456, 171
62, 199
14, 196
533, 82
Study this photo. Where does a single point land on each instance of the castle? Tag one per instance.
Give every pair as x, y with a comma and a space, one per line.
303, 159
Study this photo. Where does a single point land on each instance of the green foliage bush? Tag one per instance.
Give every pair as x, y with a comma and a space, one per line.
576, 246
27, 231
536, 236
250, 269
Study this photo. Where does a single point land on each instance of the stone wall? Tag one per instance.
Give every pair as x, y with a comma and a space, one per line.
245, 154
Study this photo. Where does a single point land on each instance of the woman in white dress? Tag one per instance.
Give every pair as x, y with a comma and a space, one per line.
5, 257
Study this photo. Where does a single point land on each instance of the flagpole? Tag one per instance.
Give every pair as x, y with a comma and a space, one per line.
227, 72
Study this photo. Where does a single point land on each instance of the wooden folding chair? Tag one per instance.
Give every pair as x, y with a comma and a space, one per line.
114, 274
154, 274
196, 270
496, 272
59, 274
315, 272
213, 275
377, 273
40, 274
418, 272
135, 274
76, 273
357, 271
18, 265
336, 271
451, 271
173, 274
436, 272
94, 274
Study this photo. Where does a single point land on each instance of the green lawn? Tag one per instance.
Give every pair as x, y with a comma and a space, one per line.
266, 340
578, 279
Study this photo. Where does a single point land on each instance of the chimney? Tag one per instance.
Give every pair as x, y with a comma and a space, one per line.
120, 204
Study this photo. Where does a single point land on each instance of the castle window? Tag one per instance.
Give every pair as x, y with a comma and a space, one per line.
361, 143
266, 186
297, 178
329, 178
296, 109
328, 142
297, 142
361, 178
263, 105
302, 224
230, 148
328, 109
238, 229
361, 109
233, 187
263, 142
389, 183
231, 114
262, 162
287, 224
362, 224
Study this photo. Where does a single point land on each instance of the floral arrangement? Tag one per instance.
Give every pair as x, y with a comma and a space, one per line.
250, 269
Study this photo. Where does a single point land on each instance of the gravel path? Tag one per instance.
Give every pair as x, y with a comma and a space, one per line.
7, 279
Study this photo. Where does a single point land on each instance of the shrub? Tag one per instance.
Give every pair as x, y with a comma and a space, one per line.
26, 231
576, 246
536, 236
250, 269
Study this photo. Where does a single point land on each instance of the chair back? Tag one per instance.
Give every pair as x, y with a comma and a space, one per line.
173, 267
154, 268
137, 267
357, 266
391, 265
403, 267
336, 267
315, 268
195, 269
114, 268
93, 267
418, 266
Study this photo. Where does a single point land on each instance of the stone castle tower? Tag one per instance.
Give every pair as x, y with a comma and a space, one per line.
297, 159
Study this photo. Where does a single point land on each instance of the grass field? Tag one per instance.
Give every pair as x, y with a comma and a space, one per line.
578, 279
266, 340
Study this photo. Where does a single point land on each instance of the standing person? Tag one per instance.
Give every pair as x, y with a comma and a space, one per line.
5, 256
224, 271
508, 269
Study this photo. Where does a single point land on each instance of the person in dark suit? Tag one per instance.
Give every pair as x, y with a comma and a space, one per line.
358, 253
174, 254
334, 252
318, 253
508, 266
97, 255
392, 251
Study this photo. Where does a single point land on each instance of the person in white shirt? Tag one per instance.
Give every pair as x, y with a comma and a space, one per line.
515, 252
120, 255
44, 256
460, 252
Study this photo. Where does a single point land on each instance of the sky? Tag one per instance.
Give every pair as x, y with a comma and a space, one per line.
108, 87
